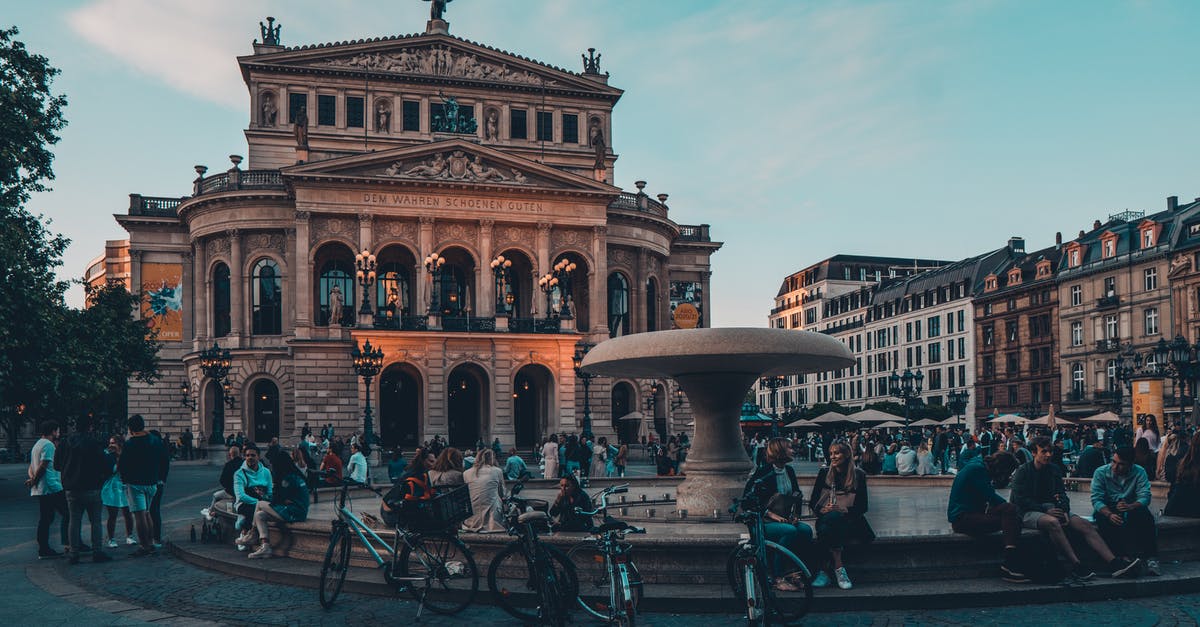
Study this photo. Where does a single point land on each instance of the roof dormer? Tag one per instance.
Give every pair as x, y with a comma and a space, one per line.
1108, 245
1014, 276
1075, 252
1148, 232
1043, 269
991, 283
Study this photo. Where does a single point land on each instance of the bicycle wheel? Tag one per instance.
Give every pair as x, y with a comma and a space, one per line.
333, 570
450, 578
516, 590
783, 607
746, 580
594, 580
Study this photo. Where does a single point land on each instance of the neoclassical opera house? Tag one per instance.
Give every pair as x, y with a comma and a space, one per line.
475, 186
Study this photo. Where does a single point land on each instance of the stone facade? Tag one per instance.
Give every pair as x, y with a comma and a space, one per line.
265, 257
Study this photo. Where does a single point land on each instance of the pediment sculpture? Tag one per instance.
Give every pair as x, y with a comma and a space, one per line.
457, 166
438, 61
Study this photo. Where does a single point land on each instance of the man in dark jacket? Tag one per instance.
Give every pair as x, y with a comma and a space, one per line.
1091, 457
141, 468
232, 463
85, 467
1040, 496
975, 509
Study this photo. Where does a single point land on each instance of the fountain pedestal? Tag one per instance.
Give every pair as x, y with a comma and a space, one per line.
715, 368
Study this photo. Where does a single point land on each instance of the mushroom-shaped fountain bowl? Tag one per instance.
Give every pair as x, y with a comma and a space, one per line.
715, 368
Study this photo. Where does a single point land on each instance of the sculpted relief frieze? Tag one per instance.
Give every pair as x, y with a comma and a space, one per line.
325, 227
561, 238
438, 61
461, 231
515, 236
620, 257
454, 166
397, 229
259, 242
218, 246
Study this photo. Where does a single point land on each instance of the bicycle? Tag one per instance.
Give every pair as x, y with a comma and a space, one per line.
756, 564
619, 578
531, 581
435, 567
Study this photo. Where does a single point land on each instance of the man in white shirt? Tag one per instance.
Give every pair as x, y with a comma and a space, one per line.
45, 484
357, 468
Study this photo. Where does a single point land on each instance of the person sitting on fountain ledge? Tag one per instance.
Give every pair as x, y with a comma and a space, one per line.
1040, 496
975, 509
839, 497
774, 489
1121, 500
251, 484
233, 463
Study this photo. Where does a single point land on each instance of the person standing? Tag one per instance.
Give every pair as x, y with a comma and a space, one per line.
84, 467
186, 439
164, 468
140, 472
45, 484
550, 458
514, 466
112, 495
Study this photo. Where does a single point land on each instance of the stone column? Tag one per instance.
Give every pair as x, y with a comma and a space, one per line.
200, 294
706, 315
302, 270
638, 322
598, 296
543, 266
290, 289
424, 284
237, 287
485, 305
135, 278
188, 277
426, 122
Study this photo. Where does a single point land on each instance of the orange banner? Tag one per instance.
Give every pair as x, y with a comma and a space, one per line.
1147, 399
162, 299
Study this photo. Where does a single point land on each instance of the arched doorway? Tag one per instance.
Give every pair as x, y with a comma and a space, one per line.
400, 407
532, 388
266, 411
455, 289
622, 405
514, 292
466, 405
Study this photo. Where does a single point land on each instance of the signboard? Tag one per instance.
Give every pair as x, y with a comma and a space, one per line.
1147, 399
686, 316
687, 311
162, 299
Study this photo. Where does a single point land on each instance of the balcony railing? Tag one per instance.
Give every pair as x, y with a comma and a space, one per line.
401, 323
468, 325
1108, 302
1108, 345
694, 233
1106, 396
241, 179
845, 326
534, 325
462, 324
156, 206
638, 202
1075, 396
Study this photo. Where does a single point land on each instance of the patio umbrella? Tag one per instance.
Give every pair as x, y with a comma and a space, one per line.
832, 417
925, 422
1106, 417
1009, 419
805, 424
796, 424
1049, 420
891, 424
873, 415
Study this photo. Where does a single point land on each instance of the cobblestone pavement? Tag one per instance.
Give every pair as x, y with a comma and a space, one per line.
164, 590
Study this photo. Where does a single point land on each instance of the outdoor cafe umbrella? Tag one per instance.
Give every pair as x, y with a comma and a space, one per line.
873, 415
796, 424
832, 417
637, 416
1008, 419
925, 422
804, 424
891, 424
1106, 416
1050, 420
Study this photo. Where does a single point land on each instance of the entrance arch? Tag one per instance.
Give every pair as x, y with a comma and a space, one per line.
622, 404
400, 407
466, 405
266, 411
532, 388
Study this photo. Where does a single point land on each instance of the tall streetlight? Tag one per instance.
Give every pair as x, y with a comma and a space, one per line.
1178, 360
560, 277
500, 268
773, 384
364, 263
433, 265
581, 351
367, 363
957, 400
906, 387
215, 363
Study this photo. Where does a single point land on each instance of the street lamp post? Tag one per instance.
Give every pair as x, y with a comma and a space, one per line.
958, 404
500, 267
581, 351
433, 265
215, 363
906, 387
364, 263
560, 277
1181, 364
367, 363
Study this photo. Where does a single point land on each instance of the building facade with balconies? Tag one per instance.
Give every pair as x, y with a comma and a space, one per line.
413, 149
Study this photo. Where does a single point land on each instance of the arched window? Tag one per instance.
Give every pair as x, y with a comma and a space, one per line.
392, 288
220, 300
454, 294
336, 284
618, 305
266, 313
651, 305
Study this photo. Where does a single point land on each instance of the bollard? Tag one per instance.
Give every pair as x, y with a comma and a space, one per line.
717, 514
643, 497
683, 514
192, 534
650, 513
624, 511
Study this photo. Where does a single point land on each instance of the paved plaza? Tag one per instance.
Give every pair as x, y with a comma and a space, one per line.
165, 590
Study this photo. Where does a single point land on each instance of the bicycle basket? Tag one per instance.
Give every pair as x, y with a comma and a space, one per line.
452, 506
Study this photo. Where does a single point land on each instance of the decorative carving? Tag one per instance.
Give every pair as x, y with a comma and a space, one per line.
439, 61
491, 126
324, 227
269, 111
450, 121
365, 219
544, 228
486, 224
599, 230
301, 128
1179, 264
652, 264
460, 231
383, 116
620, 257
457, 166
591, 62
398, 229
560, 238
258, 242
270, 32
596, 140
186, 255
302, 216
218, 246
135, 255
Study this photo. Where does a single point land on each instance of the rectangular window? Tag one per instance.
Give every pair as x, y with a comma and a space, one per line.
950, 377
354, 112
935, 379
917, 329
1010, 330
919, 351
1012, 364
1150, 279
570, 123
1035, 364
989, 397
1076, 334
296, 102
545, 126
908, 358
1076, 295
516, 124
411, 115
989, 335
962, 375
1152, 321
908, 332
1111, 324
935, 326
989, 366
1110, 286
949, 322
962, 352
935, 353
326, 110
962, 315
1012, 395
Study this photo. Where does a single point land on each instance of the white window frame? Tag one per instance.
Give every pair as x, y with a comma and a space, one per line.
1076, 333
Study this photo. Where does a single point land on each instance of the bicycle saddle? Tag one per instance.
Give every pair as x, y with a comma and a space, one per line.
534, 516
612, 525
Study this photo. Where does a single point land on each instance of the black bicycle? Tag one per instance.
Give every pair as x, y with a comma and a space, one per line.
610, 586
755, 566
532, 581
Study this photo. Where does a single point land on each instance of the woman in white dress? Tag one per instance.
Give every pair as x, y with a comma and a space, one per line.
600, 458
485, 481
550, 456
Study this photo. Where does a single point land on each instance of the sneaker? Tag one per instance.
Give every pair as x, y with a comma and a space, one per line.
99, 557
241, 520
244, 540
843, 580
207, 514
1010, 572
1122, 567
48, 554
821, 580
158, 544
112, 543
1079, 572
130, 540
1152, 568
263, 552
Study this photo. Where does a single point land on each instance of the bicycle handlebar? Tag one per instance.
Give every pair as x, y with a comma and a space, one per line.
603, 496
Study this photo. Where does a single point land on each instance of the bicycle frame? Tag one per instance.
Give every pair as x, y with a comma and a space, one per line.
756, 544
355, 524
616, 556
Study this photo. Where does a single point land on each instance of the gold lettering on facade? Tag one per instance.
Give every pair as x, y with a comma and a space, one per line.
451, 202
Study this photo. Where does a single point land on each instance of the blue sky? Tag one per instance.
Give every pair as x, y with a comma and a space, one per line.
798, 130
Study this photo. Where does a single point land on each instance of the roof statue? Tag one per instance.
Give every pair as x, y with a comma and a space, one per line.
591, 62
450, 122
437, 8
270, 32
